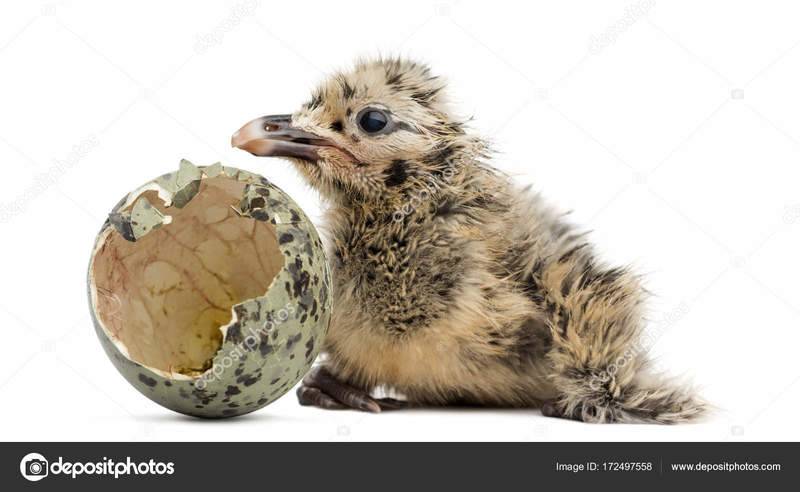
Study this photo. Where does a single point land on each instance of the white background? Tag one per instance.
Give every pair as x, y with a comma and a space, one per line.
672, 129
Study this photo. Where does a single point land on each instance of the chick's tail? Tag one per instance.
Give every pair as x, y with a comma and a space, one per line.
598, 358
629, 394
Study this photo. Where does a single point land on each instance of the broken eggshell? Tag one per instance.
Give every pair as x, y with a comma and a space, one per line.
209, 291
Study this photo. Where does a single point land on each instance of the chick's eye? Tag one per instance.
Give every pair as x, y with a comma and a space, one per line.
372, 121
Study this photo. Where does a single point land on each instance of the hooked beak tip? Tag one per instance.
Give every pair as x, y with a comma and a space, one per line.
273, 136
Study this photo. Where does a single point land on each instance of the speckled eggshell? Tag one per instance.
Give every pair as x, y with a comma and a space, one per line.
247, 373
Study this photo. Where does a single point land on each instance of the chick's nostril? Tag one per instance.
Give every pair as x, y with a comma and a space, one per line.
274, 122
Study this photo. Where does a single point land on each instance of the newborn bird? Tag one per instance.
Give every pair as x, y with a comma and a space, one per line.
451, 285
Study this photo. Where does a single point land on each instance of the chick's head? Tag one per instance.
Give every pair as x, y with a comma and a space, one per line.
370, 134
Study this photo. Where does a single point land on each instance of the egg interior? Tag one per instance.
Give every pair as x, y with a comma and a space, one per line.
163, 298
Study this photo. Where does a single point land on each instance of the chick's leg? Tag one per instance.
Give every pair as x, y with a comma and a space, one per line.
321, 389
598, 365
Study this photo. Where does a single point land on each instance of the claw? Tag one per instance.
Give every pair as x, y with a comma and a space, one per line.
308, 396
320, 388
551, 409
392, 404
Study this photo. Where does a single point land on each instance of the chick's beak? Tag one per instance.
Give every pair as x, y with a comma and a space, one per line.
273, 136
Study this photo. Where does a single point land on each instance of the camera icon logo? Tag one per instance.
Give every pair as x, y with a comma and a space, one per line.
33, 467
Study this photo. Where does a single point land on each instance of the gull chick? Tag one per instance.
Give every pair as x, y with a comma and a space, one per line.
452, 285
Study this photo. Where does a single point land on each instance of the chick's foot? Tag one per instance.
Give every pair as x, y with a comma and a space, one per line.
321, 389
